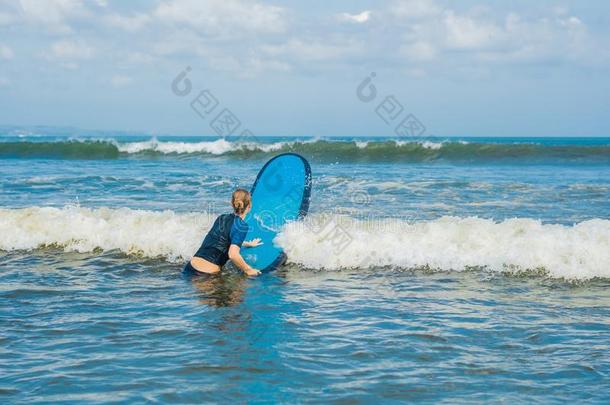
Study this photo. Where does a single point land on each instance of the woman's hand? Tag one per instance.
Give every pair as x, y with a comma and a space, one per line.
253, 243
252, 272
239, 261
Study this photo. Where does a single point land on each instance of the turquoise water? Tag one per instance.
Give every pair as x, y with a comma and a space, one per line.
465, 269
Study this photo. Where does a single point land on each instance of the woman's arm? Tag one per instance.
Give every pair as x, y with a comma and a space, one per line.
239, 261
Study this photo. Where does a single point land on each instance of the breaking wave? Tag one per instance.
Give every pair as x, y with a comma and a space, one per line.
519, 245
323, 150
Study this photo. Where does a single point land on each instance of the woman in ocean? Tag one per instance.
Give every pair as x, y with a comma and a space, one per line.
224, 241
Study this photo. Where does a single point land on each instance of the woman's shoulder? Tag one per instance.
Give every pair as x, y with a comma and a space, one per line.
240, 223
226, 220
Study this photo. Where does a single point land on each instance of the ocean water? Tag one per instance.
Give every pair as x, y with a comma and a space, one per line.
435, 270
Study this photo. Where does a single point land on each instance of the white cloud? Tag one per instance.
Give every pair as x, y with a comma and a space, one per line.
53, 14
9, 11
463, 32
243, 59
181, 42
6, 18
312, 50
256, 36
128, 23
6, 52
356, 18
428, 31
258, 65
420, 51
69, 49
223, 17
423, 31
414, 9
119, 81
138, 58
247, 67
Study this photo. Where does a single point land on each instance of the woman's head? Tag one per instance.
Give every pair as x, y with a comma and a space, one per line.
241, 201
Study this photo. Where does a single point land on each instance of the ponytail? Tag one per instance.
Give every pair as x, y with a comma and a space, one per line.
240, 200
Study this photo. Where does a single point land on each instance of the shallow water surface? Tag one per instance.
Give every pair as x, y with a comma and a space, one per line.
474, 270
106, 328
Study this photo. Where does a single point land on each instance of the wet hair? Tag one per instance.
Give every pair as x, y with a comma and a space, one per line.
240, 200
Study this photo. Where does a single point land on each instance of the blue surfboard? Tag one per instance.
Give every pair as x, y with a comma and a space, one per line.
280, 194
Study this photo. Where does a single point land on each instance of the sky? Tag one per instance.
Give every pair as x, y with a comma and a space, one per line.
310, 68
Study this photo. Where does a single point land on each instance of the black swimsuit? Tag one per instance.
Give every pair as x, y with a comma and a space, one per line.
228, 229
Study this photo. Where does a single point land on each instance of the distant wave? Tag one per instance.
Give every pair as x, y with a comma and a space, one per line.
323, 150
521, 246
72, 149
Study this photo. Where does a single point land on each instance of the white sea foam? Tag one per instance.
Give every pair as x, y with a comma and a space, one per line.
147, 233
217, 147
581, 251
424, 144
432, 145
222, 146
